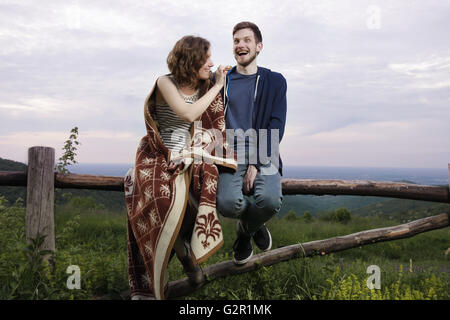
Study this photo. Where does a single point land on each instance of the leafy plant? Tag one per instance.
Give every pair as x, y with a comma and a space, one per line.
353, 287
68, 157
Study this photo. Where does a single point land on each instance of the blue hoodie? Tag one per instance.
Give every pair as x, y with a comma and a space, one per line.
270, 106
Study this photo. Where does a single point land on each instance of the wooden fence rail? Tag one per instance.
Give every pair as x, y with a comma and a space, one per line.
40, 180
182, 287
290, 186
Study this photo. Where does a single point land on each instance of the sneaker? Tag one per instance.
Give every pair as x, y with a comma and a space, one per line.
242, 247
263, 238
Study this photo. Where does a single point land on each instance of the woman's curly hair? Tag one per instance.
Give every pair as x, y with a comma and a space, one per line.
185, 60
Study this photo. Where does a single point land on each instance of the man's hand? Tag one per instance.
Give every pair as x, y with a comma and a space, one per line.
249, 178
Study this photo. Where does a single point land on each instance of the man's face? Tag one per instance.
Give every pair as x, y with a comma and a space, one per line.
245, 48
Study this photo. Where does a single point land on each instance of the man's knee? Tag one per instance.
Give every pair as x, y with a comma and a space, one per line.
270, 203
231, 206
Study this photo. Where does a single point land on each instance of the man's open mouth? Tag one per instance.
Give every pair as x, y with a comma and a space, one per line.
242, 53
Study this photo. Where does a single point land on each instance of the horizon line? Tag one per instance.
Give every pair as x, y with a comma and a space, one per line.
445, 167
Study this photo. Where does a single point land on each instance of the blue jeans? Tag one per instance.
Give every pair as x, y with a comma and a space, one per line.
232, 203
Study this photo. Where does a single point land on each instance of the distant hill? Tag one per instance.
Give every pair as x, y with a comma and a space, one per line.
12, 193
111, 200
316, 204
390, 208
10, 165
404, 210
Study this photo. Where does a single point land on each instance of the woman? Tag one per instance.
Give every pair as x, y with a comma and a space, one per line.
170, 198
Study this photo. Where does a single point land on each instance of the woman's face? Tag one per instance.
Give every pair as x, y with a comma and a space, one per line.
205, 70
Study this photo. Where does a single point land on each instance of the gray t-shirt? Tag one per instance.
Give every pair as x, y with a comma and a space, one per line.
240, 105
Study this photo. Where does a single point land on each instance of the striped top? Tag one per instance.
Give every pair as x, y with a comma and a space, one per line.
175, 132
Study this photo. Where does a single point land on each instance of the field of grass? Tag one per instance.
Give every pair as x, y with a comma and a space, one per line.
95, 240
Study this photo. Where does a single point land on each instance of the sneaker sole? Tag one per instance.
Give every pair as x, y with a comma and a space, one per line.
270, 243
240, 262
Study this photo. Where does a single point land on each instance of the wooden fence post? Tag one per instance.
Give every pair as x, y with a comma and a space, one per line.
40, 195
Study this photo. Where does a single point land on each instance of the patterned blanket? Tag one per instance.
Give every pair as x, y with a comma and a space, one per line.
158, 198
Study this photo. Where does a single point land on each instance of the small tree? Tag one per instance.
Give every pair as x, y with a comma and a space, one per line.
307, 217
342, 215
68, 157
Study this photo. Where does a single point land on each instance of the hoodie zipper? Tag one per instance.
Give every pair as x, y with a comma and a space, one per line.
256, 88
226, 95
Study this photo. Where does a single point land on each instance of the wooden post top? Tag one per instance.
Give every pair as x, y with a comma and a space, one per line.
41, 153
40, 147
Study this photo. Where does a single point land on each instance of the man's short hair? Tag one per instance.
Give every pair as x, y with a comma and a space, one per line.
250, 25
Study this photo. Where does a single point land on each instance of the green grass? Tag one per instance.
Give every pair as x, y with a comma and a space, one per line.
95, 240
309, 278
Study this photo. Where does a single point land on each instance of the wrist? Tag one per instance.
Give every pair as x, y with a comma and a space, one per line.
219, 84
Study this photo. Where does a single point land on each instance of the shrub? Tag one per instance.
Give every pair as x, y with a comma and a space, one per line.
307, 217
290, 216
342, 215
339, 215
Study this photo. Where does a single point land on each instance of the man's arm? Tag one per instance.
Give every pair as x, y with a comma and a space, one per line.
277, 121
278, 117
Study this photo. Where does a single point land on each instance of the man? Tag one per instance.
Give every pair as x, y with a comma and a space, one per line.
255, 108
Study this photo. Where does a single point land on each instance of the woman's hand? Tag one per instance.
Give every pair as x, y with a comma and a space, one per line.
220, 74
174, 164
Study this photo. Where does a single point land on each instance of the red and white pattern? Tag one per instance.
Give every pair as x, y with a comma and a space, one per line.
156, 199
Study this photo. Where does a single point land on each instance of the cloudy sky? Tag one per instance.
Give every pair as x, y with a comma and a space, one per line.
368, 81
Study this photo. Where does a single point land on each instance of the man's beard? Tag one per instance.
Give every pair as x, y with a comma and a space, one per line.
244, 64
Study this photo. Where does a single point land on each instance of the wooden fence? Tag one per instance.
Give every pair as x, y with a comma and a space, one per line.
41, 180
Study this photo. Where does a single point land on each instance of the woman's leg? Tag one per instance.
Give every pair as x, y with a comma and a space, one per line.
182, 247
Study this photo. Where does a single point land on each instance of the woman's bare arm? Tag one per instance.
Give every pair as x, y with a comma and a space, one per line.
186, 111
